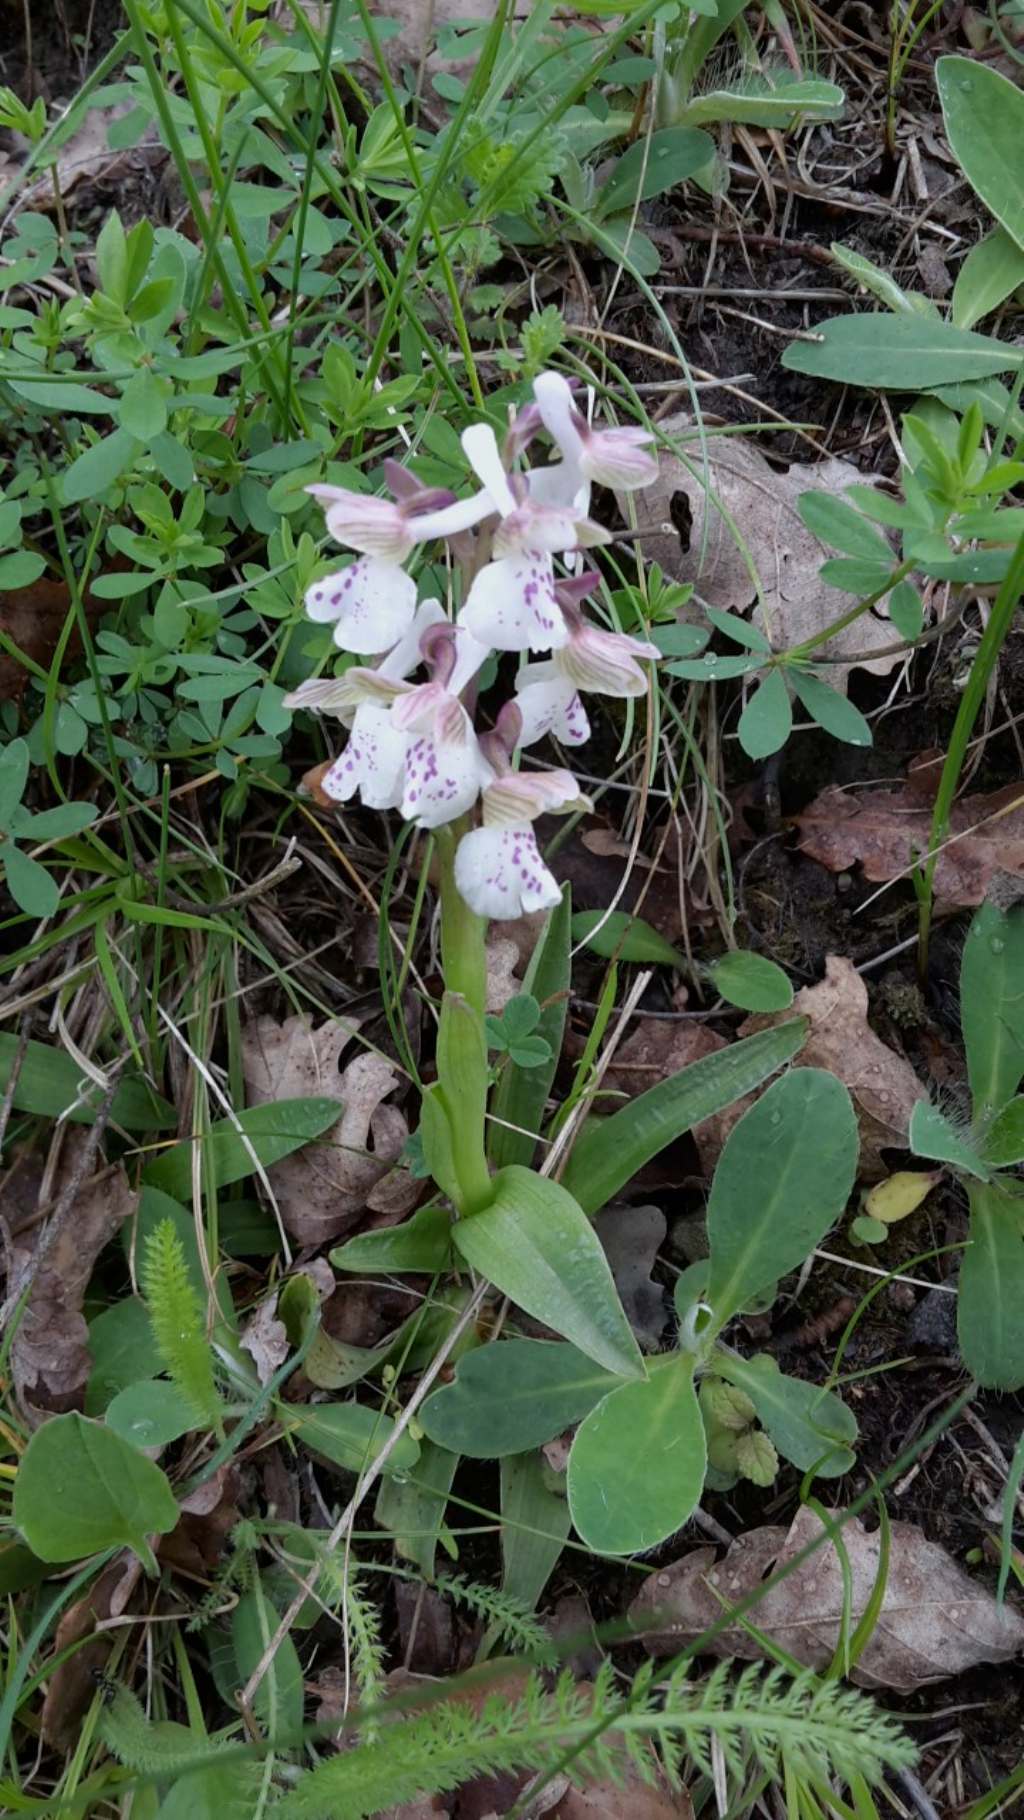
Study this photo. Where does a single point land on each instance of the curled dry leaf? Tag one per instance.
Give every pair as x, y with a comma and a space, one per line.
935, 1620
323, 1190
883, 830
71, 1687
883, 1086
265, 1339
50, 1359
208, 1515
761, 502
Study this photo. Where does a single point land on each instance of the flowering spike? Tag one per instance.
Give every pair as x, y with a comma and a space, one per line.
480, 446
605, 663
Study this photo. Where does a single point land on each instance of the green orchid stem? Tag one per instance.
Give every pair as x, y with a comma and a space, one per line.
462, 1044
993, 638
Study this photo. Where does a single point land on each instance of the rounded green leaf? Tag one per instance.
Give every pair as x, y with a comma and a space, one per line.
81, 1488
29, 883
536, 1244
751, 981
784, 1177
97, 468
654, 165
637, 1465
150, 1414
512, 1396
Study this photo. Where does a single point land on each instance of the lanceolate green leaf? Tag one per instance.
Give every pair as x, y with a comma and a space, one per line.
637, 1464
535, 1522
536, 1244
992, 271
80, 1488
984, 116
784, 1176
992, 1006
280, 1697
898, 353
611, 1150
513, 1395
422, 1243
261, 1133
990, 1312
651, 166
51, 1084
627, 938
517, 1105
811, 1427
349, 1434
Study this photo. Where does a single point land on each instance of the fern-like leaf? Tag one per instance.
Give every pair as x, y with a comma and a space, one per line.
808, 1728
512, 1622
176, 1316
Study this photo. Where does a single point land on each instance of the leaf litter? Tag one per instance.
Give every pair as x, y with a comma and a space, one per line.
325, 1189
884, 831
704, 548
935, 1621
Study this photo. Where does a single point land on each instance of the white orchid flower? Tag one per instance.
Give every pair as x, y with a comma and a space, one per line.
498, 867
611, 457
511, 602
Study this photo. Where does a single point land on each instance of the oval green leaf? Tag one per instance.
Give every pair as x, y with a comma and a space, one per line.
512, 1396
811, 1427
767, 720
984, 116
784, 1177
536, 1244
751, 981
422, 1243
151, 1414
81, 1488
637, 1465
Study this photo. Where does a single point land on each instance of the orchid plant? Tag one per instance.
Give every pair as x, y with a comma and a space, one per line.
417, 743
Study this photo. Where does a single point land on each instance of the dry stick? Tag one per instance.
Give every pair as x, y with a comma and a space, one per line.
363, 1484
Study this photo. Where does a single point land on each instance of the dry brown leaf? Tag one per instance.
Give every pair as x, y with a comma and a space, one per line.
208, 1515
631, 1799
323, 1189
71, 1687
882, 830
935, 1620
761, 503
87, 154
265, 1339
883, 1086
50, 1359
34, 618
502, 961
